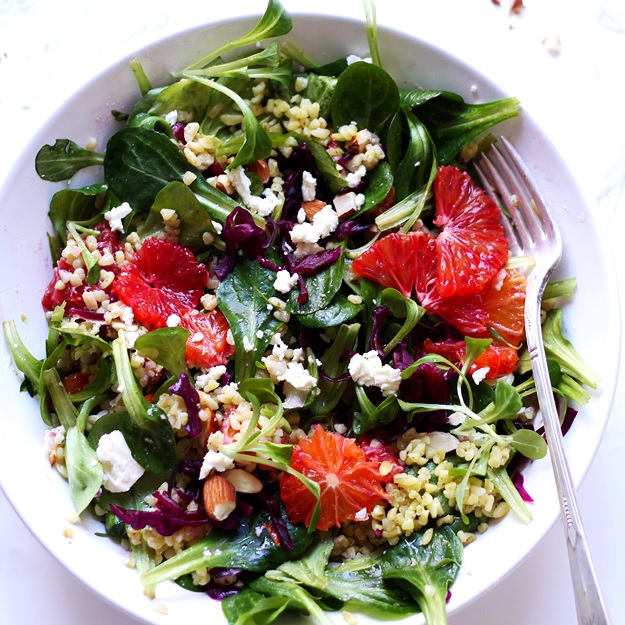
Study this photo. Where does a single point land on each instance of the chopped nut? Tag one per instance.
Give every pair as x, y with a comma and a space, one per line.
345, 205
261, 169
312, 207
243, 481
223, 183
220, 497
359, 142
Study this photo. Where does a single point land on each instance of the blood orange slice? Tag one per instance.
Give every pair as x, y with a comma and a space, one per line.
207, 345
162, 279
504, 300
349, 482
392, 262
471, 247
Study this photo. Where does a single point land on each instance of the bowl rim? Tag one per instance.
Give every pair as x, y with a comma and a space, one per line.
35, 142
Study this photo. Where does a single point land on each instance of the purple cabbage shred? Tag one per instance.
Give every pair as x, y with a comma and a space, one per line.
183, 388
272, 505
375, 339
242, 233
87, 315
518, 480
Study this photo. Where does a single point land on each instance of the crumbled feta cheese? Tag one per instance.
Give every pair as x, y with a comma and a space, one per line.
440, 440
353, 179
230, 337
352, 298
284, 281
309, 187
173, 321
367, 370
277, 303
213, 374
262, 205
115, 216
215, 461
121, 470
248, 346
361, 515
306, 235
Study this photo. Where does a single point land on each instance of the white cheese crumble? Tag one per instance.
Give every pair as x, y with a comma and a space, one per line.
306, 235
248, 346
215, 461
367, 370
284, 281
309, 187
173, 321
172, 117
115, 216
262, 205
353, 179
121, 470
212, 375
440, 440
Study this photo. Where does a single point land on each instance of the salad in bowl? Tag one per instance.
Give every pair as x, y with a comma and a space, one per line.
285, 362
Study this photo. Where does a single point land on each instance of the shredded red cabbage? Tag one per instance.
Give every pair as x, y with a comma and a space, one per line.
220, 591
272, 505
241, 233
183, 388
375, 339
87, 315
178, 132
313, 262
518, 480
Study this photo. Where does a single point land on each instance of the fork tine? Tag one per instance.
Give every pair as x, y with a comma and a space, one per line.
497, 189
537, 209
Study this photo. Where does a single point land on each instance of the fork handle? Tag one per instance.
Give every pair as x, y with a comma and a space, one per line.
589, 603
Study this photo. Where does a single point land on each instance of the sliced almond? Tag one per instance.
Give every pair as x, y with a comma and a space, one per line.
243, 481
220, 498
345, 205
312, 207
261, 169
223, 183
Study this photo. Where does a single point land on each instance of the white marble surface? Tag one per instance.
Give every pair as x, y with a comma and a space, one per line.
49, 48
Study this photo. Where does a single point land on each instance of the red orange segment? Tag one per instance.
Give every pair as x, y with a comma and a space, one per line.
349, 482
162, 279
472, 246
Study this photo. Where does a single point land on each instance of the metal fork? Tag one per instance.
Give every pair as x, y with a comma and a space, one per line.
532, 231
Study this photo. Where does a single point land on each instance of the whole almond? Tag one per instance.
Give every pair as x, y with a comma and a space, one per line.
220, 497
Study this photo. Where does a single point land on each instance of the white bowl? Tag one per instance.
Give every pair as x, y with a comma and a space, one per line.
41, 497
